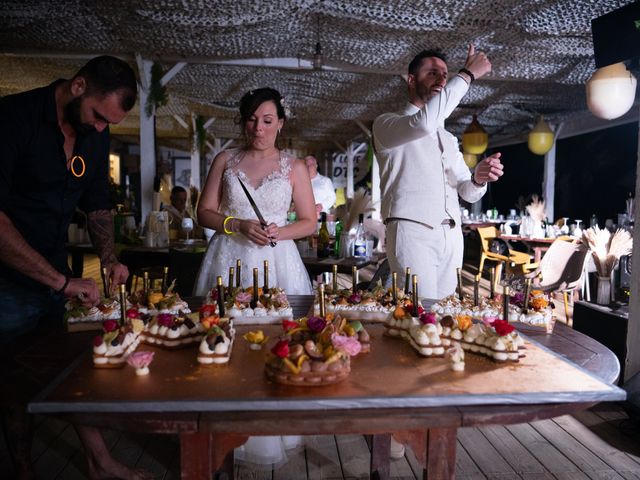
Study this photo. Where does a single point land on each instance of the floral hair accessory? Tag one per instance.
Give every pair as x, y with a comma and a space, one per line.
285, 106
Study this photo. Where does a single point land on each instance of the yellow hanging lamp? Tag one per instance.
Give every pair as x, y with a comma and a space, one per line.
541, 138
470, 159
475, 139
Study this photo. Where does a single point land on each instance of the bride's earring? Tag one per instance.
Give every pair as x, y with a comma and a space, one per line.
279, 131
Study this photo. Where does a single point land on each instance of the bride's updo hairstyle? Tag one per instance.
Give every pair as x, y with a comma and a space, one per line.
251, 100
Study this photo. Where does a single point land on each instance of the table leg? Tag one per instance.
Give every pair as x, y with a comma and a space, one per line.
195, 456
537, 254
441, 454
203, 453
380, 445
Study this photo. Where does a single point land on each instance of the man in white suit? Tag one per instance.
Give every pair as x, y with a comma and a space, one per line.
422, 172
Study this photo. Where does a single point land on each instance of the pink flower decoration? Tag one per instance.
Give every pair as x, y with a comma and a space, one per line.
243, 297
140, 359
133, 313
489, 320
165, 319
428, 317
347, 345
354, 298
281, 298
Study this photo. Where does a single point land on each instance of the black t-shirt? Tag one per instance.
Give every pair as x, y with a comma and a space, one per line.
37, 191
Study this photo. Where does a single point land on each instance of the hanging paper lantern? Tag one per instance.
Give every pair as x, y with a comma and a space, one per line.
470, 159
475, 139
540, 138
611, 91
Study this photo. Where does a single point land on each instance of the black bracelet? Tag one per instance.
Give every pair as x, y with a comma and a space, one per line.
473, 180
64, 286
472, 77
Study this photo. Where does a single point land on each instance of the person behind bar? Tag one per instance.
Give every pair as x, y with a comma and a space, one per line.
54, 157
422, 172
323, 192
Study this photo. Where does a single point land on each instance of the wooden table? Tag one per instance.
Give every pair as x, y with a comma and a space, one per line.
214, 409
538, 245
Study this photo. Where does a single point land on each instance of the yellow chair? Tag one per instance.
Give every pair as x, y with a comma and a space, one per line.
515, 258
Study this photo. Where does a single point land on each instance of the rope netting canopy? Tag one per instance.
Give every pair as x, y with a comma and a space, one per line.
541, 52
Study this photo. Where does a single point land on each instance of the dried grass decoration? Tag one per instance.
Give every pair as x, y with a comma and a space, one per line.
536, 208
607, 249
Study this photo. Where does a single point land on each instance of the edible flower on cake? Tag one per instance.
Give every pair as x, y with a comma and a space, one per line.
140, 361
313, 351
256, 339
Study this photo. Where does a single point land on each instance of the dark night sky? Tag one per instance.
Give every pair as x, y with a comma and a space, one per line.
594, 174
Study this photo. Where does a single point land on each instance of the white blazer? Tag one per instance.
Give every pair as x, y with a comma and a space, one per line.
422, 170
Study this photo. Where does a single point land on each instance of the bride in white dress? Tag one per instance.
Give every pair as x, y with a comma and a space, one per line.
273, 179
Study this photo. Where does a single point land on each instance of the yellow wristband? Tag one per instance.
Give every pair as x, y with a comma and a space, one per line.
224, 226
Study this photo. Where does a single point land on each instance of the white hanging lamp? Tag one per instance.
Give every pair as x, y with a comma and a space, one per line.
611, 91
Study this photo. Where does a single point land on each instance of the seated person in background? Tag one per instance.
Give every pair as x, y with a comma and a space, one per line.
177, 211
323, 191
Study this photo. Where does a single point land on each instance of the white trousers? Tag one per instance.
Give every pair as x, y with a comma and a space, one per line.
433, 254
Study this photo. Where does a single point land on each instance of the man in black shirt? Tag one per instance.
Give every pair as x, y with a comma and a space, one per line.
54, 157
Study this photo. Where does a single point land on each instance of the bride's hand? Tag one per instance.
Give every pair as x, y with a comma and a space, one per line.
273, 232
254, 231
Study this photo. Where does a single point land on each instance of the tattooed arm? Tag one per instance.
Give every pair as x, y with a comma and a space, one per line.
100, 224
16, 253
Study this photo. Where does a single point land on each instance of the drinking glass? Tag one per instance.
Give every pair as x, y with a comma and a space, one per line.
577, 232
187, 226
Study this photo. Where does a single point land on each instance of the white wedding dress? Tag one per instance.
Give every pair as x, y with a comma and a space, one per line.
286, 270
273, 197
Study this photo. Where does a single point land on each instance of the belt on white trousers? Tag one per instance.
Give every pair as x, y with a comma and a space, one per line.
450, 222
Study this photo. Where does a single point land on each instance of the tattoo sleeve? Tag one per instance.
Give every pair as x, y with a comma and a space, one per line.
100, 224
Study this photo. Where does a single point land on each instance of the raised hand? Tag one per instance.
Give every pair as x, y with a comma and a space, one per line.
477, 62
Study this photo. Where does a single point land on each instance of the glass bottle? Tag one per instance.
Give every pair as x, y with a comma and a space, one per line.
336, 246
360, 241
323, 247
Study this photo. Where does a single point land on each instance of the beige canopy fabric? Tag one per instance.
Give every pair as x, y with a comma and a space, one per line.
541, 51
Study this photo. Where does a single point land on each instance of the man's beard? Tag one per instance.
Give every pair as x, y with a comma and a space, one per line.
426, 93
72, 115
